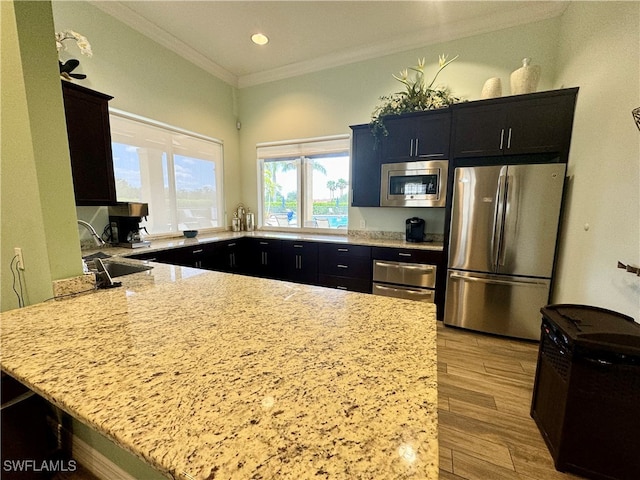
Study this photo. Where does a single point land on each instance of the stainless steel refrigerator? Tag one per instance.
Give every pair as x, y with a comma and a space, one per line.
504, 227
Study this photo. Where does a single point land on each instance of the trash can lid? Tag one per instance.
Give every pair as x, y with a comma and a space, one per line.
596, 327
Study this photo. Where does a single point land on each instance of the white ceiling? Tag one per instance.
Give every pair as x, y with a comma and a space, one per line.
307, 36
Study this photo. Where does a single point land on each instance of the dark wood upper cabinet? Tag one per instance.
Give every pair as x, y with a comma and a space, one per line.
365, 168
417, 136
89, 135
411, 137
520, 124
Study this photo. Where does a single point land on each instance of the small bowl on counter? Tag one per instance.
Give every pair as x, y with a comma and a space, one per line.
190, 233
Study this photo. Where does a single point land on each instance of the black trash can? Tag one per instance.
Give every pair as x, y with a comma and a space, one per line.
586, 396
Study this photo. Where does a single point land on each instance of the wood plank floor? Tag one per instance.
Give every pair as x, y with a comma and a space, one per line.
485, 385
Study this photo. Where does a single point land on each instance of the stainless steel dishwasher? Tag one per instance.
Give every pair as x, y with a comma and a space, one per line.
412, 281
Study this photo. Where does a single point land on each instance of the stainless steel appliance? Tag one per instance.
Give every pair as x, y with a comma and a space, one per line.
414, 184
504, 226
124, 220
414, 229
412, 281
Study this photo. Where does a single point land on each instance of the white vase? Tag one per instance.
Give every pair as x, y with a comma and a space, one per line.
492, 88
525, 79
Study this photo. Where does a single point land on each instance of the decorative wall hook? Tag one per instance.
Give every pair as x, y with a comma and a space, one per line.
630, 268
636, 116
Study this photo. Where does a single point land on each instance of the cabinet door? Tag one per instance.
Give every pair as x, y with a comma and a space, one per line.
479, 131
89, 136
398, 145
539, 126
265, 257
525, 124
365, 168
432, 135
228, 256
417, 137
300, 261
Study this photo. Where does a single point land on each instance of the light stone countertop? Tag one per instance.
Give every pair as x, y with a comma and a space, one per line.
208, 237
211, 375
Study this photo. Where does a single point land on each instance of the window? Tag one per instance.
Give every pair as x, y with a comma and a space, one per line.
178, 174
305, 183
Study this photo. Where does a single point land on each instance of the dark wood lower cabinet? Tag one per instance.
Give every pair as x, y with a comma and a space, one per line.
334, 265
345, 266
264, 257
230, 256
300, 261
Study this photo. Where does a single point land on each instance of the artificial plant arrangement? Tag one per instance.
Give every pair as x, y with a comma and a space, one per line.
417, 97
85, 49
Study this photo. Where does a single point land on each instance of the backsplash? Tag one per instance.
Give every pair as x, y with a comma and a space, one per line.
379, 235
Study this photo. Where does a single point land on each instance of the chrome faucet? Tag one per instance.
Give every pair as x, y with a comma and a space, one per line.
94, 234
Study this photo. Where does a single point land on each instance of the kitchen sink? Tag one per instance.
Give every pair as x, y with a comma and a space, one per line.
116, 269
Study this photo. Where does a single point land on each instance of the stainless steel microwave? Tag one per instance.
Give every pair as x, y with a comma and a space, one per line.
414, 184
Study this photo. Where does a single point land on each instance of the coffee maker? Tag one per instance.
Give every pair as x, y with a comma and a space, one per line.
124, 220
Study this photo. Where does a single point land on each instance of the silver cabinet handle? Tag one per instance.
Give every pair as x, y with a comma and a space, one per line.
343, 249
411, 148
424, 268
298, 246
501, 138
404, 254
417, 143
340, 287
422, 293
509, 139
231, 245
200, 250
264, 243
342, 266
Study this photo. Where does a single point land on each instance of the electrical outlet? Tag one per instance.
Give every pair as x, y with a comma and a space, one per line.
363, 224
18, 253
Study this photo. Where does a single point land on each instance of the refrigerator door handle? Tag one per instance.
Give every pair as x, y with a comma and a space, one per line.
498, 220
496, 281
509, 215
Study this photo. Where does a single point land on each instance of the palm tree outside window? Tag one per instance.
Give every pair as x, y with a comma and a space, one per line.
298, 184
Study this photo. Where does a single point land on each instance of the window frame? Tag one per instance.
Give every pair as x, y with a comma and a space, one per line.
219, 170
303, 164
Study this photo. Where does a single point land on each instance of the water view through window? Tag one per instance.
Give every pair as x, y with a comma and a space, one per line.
308, 191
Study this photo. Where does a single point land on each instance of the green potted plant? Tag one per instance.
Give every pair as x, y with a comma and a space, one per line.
418, 96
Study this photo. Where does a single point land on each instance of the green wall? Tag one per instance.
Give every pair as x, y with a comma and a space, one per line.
600, 51
327, 102
147, 79
37, 206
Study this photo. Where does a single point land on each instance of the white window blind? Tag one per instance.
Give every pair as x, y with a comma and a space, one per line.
178, 174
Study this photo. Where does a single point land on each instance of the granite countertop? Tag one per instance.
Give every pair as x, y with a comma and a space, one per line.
208, 237
211, 375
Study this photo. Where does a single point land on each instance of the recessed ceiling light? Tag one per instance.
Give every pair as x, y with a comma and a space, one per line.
259, 39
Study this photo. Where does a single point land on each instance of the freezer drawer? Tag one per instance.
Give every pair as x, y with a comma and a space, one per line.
504, 305
408, 293
409, 274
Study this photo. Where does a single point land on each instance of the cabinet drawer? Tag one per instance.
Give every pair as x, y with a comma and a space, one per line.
357, 267
401, 273
409, 255
345, 283
330, 251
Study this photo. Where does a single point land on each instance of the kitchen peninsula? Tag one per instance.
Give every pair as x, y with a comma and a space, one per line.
205, 374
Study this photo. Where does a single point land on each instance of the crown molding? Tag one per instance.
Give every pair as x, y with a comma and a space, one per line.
129, 17
452, 31
527, 13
